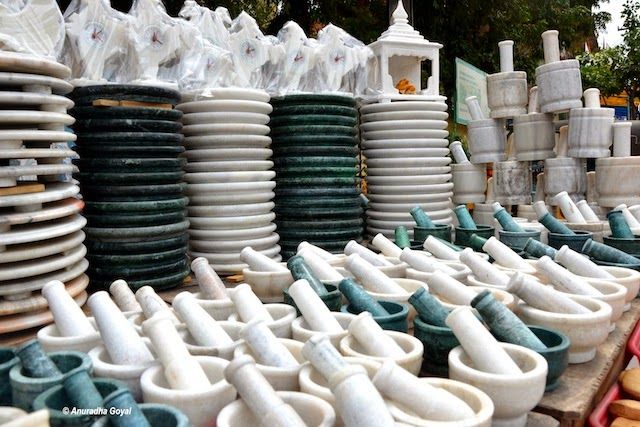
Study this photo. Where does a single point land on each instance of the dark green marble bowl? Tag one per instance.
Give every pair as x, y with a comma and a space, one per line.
395, 321
438, 341
464, 234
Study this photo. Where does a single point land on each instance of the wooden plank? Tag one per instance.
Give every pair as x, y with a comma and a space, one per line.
22, 189
129, 103
583, 385
540, 420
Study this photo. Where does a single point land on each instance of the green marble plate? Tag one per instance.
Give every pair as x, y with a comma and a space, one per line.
127, 125
164, 282
131, 220
319, 191
312, 119
81, 113
313, 202
145, 259
319, 225
114, 151
129, 138
326, 130
314, 161
311, 109
140, 271
135, 233
131, 164
286, 212
316, 181
310, 172
325, 235
116, 178
328, 151
96, 247
312, 98
142, 206
313, 140
87, 94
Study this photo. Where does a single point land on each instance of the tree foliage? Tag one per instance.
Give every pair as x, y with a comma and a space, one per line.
602, 69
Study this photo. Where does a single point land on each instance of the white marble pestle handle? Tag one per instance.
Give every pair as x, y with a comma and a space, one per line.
325, 255
373, 338
564, 279
568, 208
425, 263
320, 267
248, 305
314, 311
474, 108
211, 287
124, 296
265, 345
506, 56
482, 269
450, 289
204, 329
533, 106
622, 139
586, 211
581, 265
151, 303
367, 254
68, 316
260, 262
504, 255
386, 246
371, 278
551, 46
439, 249
458, 152
542, 296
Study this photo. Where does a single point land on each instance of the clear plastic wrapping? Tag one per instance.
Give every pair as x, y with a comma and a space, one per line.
34, 26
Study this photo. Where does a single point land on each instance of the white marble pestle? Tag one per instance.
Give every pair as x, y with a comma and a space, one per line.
320, 267
586, 211
68, 316
386, 246
533, 107
474, 108
151, 303
211, 287
204, 329
539, 196
122, 342
568, 208
265, 345
372, 337
551, 46
505, 256
483, 349
428, 402
628, 216
562, 146
366, 254
440, 250
458, 152
592, 98
314, 311
483, 270
450, 289
543, 297
564, 279
506, 56
621, 139
580, 264
260, 262
325, 255
421, 262
182, 371
358, 402
371, 278
248, 305
259, 395
124, 296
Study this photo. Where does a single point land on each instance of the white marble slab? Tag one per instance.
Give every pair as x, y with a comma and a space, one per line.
227, 141
35, 135
34, 117
239, 234
34, 267
34, 99
42, 248
234, 245
430, 170
231, 93
243, 165
35, 283
229, 177
240, 106
407, 162
411, 189
230, 210
231, 197
52, 192
229, 154
403, 106
402, 133
404, 115
404, 143
404, 124
408, 179
21, 62
225, 223
221, 118
53, 210
406, 153
42, 231
35, 83
227, 128
36, 153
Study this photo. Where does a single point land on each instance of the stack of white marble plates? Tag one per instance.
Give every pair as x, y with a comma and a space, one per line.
41, 236
406, 149
229, 176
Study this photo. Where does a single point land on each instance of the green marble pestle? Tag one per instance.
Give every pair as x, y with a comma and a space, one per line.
35, 362
619, 227
81, 390
505, 219
421, 218
464, 217
360, 300
429, 308
537, 249
607, 253
402, 237
122, 400
300, 270
477, 242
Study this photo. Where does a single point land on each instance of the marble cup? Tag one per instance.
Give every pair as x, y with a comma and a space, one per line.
487, 140
512, 182
573, 241
332, 299
534, 136
564, 174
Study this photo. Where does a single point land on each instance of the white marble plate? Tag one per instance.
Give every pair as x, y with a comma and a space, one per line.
27, 63
404, 115
408, 198
231, 165
233, 245
206, 189
41, 231
407, 162
231, 198
36, 153
227, 141
42, 248
52, 192
403, 125
225, 223
411, 189
402, 133
34, 82
239, 234
35, 283
223, 129
37, 302
406, 207
433, 170
227, 93
234, 257
34, 117
403, 106
228, 177
35, 99
406, 152
223, 106
220, 118
35, 135
44, 265
54, 210
27, 170
230, 210
229, 154
408, 179
404, 216
404, 143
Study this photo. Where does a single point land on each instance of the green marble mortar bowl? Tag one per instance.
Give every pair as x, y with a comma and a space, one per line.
438, 341
443, 231
395, 321
157, 414
464, 234
516, 240
630, 246
333, 299
556, 354
8, 360
573, 241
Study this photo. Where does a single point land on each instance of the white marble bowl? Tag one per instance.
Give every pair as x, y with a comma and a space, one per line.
462, 271
283, 315
301, 332
413, 348
281, 379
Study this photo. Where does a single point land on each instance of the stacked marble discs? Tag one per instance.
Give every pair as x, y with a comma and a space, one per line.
131, 178
407, 161
229, 176
314, 151
40, 226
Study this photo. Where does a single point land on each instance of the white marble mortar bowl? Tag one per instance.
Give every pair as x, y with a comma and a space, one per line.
219, 309
530, 270
513, 396
138, 318
314, 411
201, 406
626, 277
281, 379
413, 348
103, 367
397, 270
461, 275
478, 401
586, 331
50, 339
410, 286
301, 331
509, 300
283, 315
613, 294
473, 281
268, 285
224, 352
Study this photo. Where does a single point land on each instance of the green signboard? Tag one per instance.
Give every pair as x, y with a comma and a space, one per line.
470, 81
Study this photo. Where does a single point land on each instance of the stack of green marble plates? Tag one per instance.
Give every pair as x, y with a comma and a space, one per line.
317, 185
131, 175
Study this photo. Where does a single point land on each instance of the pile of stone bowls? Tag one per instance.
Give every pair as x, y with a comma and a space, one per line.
314, 151
229, 176
131, 181
406, 149
40, 226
